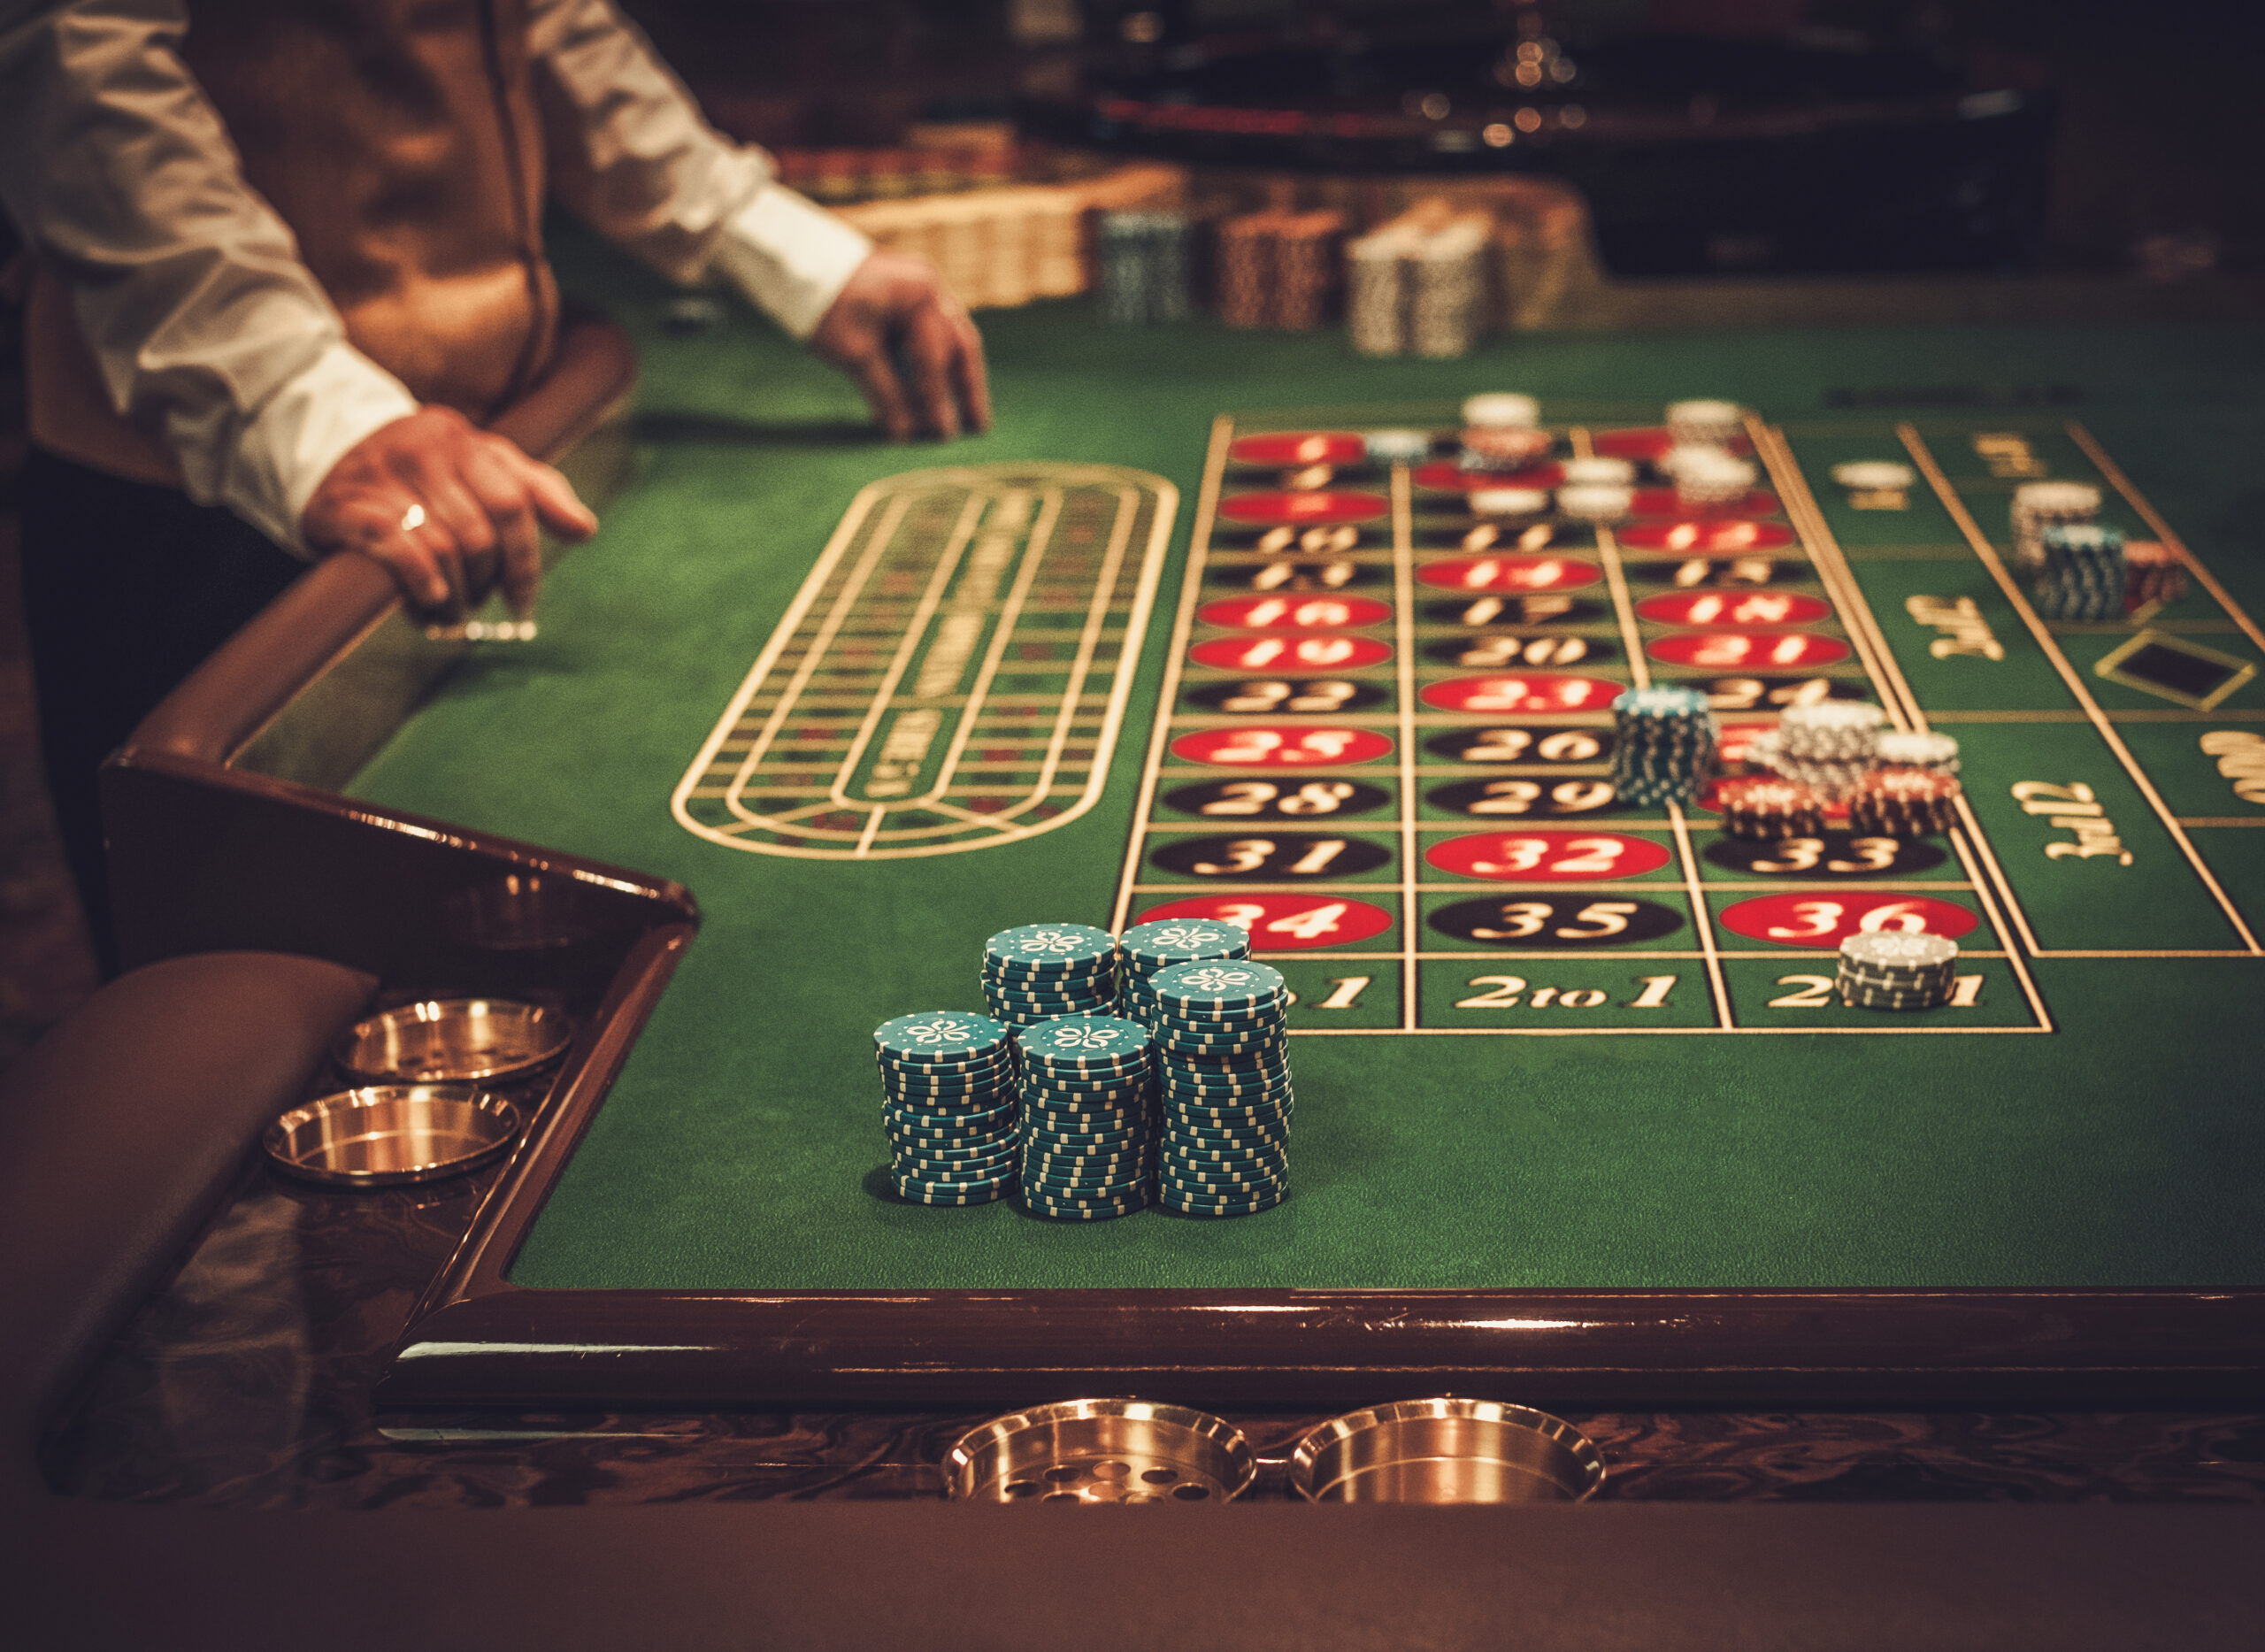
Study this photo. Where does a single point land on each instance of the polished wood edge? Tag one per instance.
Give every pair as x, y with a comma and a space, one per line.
491, 1343
500, 1226
514, 853
324, 614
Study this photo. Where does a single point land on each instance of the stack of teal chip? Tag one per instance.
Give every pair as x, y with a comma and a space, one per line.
2083, 574
1035, 971
947, 1078
1144, 266
1086, 1128
1666, 746
1223, 1052
1145, 948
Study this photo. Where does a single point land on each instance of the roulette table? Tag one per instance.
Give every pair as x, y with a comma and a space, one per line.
1564, 1067
1581, 1119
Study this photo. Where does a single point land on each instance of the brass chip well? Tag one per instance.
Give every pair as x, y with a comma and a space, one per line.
390, 1135
1102, 1451
1446, 1450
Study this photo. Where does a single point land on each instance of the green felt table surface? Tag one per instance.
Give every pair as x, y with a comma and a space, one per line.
740, 1148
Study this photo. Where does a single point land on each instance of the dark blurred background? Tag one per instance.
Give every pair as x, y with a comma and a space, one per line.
1718, 136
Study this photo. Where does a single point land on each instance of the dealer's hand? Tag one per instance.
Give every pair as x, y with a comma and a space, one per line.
447, 507
895, 313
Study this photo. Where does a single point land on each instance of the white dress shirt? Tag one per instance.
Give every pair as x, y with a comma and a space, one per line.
204, 322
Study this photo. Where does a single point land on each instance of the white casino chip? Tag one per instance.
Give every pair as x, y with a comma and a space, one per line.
1501, 410
1495, 502
1599, 472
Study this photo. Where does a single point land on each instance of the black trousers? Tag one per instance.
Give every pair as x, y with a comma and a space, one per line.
128, 587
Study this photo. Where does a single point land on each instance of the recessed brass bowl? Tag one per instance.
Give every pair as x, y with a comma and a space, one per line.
387, 1136
452, 1041
1446, 1450
1115, 1451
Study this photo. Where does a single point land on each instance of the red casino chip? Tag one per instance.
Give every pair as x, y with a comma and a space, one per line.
1283, 923
1300, 447
1747, 651
1664, 502
1548, 857
1280, 746
1290, 653
1648, 445
1734, 608
1295, 613
1821, 921
1319, 508
1448, 477
1705, 539
1532, 692
1509, 573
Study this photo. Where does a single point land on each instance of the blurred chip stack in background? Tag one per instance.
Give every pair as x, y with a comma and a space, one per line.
997, 248
1418, 283
2083, 574
2039, 505
1308, 266
1245, 268
1278, 269
2153, 575
1376, 287
1144, 266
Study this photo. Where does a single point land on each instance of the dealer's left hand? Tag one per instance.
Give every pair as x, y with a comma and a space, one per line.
894, 320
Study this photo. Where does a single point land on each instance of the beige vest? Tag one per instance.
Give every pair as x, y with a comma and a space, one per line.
401, 141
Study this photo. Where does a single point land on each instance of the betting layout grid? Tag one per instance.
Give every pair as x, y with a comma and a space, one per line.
1392, 674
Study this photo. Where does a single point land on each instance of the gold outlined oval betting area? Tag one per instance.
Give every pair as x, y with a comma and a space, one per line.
954, 672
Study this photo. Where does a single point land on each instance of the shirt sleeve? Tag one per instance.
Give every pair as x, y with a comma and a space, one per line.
631, 155
206, 326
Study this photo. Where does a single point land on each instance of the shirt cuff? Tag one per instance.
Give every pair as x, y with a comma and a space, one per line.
302, 433
791, 256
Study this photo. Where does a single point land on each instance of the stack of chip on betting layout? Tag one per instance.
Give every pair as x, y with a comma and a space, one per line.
2082, 576
1143, 260
1501, 435
1665, 744
1762, 809
1892, 784
1223, 1055
950, 1107
1918, 749
1035, 971
2038, 505
1704, 423
1145, 948
1707, 476
1088, 1116
1598, 489
1828, 746
1903, 802
2153, 575
1897, 970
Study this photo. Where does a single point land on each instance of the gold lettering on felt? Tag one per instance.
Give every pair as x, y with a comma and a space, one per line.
1964, 629
2008, 454
1878, 499
2073, 808
2241, 760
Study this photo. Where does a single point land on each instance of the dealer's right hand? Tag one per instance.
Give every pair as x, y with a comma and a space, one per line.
449, 508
